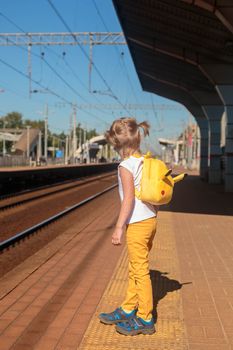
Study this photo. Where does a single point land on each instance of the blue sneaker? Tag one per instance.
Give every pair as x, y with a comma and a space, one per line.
135, 325
116, 316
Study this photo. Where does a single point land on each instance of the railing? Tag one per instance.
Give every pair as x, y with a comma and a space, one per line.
10, 161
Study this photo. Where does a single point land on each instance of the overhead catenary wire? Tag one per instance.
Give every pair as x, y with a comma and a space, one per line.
117, 50
155, 113
49, 49
54, 71
126, 71
16, 93
36, 82
77, 77
20, 72
39, 84
61, 78
72, 89
85, 54
74, 74
12, 22
9, 89
81, 82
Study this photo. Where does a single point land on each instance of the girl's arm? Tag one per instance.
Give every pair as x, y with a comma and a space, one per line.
127, 204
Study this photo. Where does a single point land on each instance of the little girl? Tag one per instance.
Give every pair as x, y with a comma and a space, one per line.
134, 316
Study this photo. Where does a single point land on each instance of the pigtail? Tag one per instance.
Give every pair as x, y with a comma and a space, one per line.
145, 126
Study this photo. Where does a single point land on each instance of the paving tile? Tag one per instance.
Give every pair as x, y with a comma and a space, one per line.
46, 344
19, 306
64, 347
70, 340
203, 346
195, 332
14, 331
30, 341
54, 332
7, 342
10, 315
207, 310
4, 324
23, 347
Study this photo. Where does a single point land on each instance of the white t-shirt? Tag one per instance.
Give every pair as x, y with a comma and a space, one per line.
141, 210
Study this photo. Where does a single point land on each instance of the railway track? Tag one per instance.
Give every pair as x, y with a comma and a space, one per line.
33, 229
45, 191
36, 226
35, 189
26, 212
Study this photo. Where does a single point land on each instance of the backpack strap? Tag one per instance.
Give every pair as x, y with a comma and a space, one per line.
147, 155
137, 193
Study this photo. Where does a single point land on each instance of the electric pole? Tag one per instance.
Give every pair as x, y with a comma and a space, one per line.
53, 146
70, 137
46, 133
80, 137
67, 149
28, 141
4, 141
39, 147
85, 134
74, 131
84, 143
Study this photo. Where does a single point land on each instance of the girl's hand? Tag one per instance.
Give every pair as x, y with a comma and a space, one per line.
116, 236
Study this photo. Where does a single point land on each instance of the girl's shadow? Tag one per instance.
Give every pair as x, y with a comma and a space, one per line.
161, 285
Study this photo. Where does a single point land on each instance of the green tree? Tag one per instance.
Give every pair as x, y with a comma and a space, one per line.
36, 124
91, 133
58, 140
12, 120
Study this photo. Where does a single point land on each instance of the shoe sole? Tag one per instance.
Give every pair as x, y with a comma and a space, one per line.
136, 332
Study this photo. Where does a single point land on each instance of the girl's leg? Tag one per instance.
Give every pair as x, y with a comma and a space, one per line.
131, 300
150, 243
139, 240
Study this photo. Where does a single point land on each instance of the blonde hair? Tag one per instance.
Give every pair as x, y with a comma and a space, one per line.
124, 135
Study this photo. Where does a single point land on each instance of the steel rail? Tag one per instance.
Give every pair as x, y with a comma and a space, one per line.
84, 182
40, 188
21, 235
4, 197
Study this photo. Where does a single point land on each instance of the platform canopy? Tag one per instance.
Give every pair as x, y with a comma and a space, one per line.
172, 40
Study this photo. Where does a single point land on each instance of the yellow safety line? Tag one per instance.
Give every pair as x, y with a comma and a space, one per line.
170, 331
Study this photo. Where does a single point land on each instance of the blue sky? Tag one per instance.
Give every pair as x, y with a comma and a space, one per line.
72, 65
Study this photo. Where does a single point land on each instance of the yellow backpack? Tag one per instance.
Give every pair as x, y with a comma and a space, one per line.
157, 183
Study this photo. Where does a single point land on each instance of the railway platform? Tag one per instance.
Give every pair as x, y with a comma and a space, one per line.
52, 299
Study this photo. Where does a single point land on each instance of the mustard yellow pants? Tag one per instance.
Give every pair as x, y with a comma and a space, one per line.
139, 236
